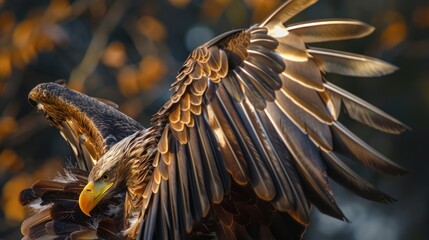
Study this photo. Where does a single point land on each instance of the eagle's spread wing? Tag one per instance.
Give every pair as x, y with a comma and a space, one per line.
251, 113
90, 126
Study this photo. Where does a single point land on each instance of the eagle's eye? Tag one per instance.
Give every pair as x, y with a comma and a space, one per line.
105, 177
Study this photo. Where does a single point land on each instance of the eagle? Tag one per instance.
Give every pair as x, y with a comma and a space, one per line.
244, 148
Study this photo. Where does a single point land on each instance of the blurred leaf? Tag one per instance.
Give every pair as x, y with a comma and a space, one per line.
393, 29
5, 65
114, 55
127, 81
152, 69
43, 44
22, 34
10, 161
7, 126
23, 55
151, 28
11, 207
394, 34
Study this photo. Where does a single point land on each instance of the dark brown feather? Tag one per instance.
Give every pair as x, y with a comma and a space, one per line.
350, 145
366, 113
342, 174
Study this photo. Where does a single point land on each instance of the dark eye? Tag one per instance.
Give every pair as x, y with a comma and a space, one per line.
105, 177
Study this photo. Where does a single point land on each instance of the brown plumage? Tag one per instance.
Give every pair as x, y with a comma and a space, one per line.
245, 145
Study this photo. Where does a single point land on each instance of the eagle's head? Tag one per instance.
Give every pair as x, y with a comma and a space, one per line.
111, 173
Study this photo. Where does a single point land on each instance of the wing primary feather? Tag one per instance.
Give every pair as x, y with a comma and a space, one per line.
318, 131
306, 99
184, 191
223, 173
175, 206
346, 177
324, 30
209, 161
362, 111
350, 64
165, 221
292, 47
194, 198
230, 150
285, 197
301, 206
310, 165
332, 103
348, 144
197, 173
151, 219
260, 178
306, 74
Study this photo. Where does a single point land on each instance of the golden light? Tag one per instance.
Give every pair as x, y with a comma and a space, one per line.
114, 55
152, 28
152, 69
127, 81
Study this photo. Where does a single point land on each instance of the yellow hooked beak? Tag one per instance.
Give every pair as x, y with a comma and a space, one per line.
92, 194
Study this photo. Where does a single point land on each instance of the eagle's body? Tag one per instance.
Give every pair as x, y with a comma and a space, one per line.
243, 148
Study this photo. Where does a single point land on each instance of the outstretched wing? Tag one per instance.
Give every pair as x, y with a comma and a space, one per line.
252, 122
90, 126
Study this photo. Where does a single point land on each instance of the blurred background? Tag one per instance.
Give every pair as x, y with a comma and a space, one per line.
129, 51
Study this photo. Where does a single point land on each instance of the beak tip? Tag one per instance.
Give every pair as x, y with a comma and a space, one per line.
86, 199
91, 194
84, 209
